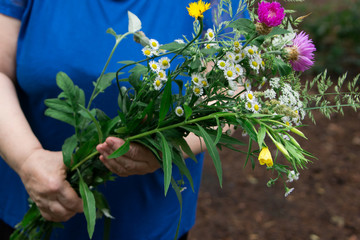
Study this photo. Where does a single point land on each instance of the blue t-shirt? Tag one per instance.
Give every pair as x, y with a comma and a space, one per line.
70, 36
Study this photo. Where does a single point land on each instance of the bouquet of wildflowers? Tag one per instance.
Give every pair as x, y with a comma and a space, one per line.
243, 73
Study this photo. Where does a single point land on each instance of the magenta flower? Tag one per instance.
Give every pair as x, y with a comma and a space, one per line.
301, 53
270, 14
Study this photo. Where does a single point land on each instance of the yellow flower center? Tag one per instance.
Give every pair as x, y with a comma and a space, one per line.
249, 105
154, 44
197, 90
250, 96
254, 63
165, 63
208, 46
179, 111
158, 83
196, 80
287, 123
204, 83
222, 64
211, 34
236, 44
229, 73
250, 51
161, 74
147, 52
256, 107
154, 66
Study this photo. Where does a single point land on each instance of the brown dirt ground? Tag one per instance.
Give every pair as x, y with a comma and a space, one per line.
325, 204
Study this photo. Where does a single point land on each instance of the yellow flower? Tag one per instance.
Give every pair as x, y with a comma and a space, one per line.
196, 9
265, 157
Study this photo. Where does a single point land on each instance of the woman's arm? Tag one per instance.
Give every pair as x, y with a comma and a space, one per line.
42, 172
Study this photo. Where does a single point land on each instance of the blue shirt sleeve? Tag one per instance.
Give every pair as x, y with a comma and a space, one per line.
13, 8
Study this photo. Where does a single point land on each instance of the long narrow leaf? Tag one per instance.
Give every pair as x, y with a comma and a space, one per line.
121, 150
165, 101
167, 162
213, 152
89, 205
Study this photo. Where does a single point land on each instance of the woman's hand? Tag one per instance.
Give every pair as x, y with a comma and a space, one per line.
44, 176
137, 161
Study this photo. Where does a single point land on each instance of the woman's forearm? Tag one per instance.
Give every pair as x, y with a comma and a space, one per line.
17, 140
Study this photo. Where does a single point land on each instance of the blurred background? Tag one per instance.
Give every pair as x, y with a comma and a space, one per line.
326, 201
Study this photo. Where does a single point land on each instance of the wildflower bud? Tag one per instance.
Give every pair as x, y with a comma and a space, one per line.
141, 38
262, 28
282, 149
298, 132
265, 157
293, 141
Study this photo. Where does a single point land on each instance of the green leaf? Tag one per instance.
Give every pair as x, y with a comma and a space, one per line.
219, 131
59, 105
61, 116
102, 204
281, 67
112, 32
105, 81
165, 101
185, 147
167, 161
188, 111
121, 150
68, 148
179, 197
172, 46
213, 152
89, 205
277, 31
261, 136
243, 25
127, 62
65, 83
91, 116
180, 163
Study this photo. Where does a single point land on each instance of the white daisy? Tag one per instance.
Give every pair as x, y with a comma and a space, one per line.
147, 51
210, 34
286, 120
179, 111
154, 66
238, 57
198, 91
255, 63
222, 64
239, 70
230, 73
158, 84
162, 75
251, 51
230, 56
154, 44
204, 83
249, 105
256, 107
250, 96
164, 63
196, 78
247, 85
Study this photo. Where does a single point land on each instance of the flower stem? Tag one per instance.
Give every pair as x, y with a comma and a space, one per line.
156, 130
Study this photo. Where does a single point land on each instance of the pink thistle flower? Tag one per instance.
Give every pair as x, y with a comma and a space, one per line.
301, 53
270, 14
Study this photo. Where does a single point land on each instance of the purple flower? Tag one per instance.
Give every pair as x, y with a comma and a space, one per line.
301, 53
270, 14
